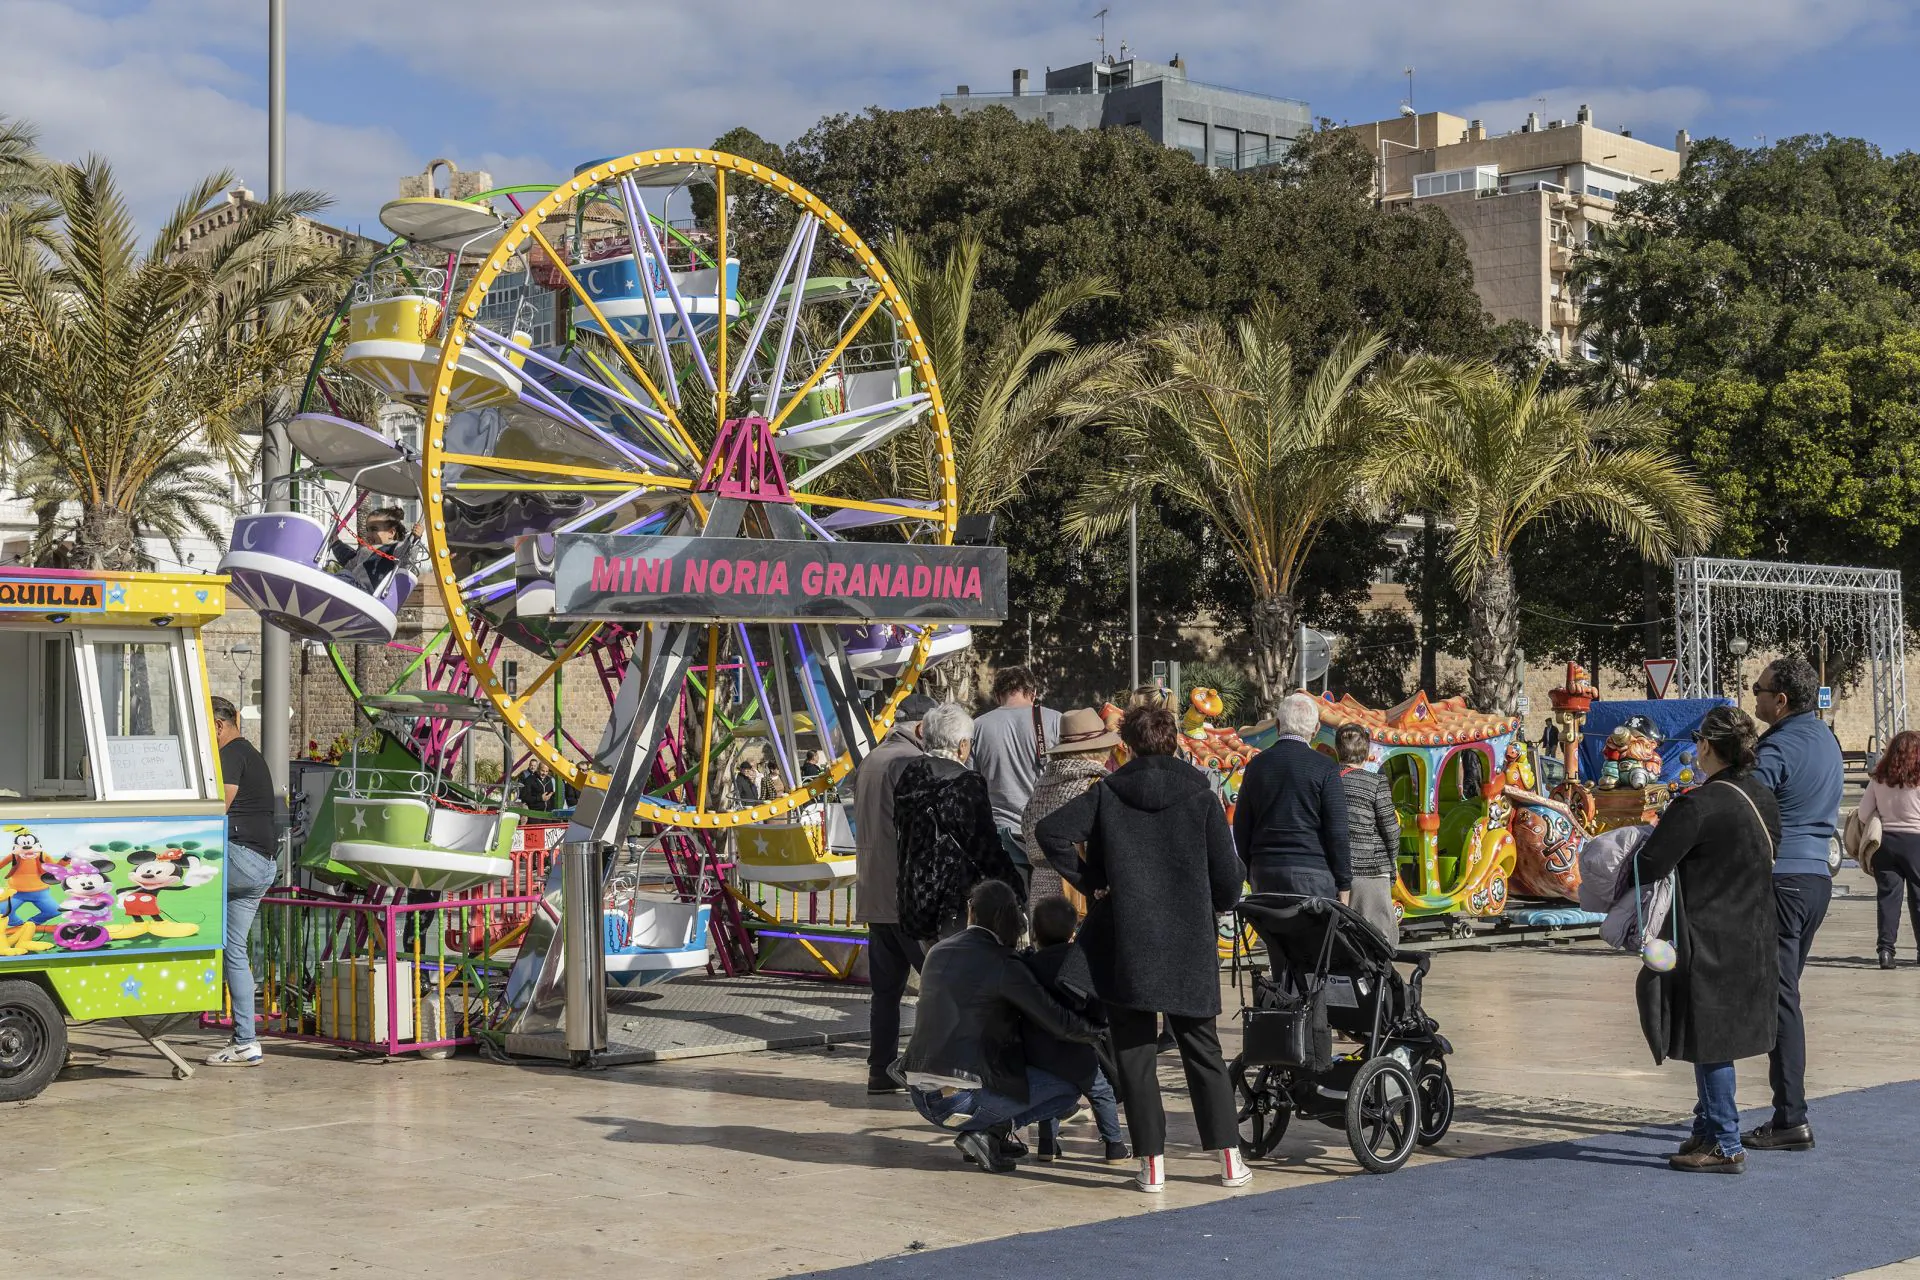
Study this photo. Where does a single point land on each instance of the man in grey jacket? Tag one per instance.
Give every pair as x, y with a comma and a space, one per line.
891, 954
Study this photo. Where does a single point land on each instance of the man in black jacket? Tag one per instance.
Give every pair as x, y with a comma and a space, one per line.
1290, 819
966, 1064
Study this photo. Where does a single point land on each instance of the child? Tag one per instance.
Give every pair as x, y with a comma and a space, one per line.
1062, 969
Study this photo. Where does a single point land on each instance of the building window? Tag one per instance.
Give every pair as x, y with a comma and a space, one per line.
1226, 148
1190, 136
1484, 177
1605, 193
1254, 149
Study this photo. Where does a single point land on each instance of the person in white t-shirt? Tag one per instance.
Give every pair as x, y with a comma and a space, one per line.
1009, 750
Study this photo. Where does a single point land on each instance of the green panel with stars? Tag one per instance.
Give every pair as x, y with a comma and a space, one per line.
109, 986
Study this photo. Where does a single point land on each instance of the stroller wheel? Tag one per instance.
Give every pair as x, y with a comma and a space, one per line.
1263, 1109
1436, 1102
1383, 1115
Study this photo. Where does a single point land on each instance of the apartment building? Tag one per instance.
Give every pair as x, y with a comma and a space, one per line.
1524, 201
1219, 127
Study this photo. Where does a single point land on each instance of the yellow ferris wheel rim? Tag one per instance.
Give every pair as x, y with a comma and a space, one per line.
515, 239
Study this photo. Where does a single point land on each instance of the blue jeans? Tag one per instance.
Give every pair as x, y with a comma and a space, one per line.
1106, 1111
1048, 1098
249, 875
45, 906
1716, 1115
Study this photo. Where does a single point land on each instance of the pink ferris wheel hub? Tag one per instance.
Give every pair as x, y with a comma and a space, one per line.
743, 464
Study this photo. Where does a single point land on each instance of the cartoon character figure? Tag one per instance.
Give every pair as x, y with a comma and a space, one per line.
154, 872
27, 863
1518, 770
1612, 754
1202, 705
1641, 766
88, 906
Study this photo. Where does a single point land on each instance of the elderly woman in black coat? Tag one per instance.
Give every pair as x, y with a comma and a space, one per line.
1717, 1003
1149, 845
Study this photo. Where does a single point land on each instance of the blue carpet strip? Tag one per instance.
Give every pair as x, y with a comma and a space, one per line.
1597, 1207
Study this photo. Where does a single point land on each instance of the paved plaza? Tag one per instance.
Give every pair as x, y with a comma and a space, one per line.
776, 1163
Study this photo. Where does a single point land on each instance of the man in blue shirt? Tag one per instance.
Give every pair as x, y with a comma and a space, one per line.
1800, 762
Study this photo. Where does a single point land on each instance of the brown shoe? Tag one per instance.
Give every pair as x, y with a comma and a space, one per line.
1709, 1160
1692, 1145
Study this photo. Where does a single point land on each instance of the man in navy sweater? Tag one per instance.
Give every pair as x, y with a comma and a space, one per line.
1290, 819
1800, 762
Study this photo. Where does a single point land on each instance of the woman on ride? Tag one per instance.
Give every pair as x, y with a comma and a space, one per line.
1717, 1002
1893, 796
1149, 845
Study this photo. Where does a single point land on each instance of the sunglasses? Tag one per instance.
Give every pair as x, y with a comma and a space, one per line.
1760, 688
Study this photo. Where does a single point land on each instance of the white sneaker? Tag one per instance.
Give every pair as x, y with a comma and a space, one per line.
237, 1055
1152, 1177
1233, 1169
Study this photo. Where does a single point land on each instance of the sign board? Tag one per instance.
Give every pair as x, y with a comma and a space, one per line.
52, 595
692, 579
1826, 697
145, 762
1660, 674
1522, 704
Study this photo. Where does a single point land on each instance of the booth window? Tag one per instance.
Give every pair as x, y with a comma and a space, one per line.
59, 729
141, 704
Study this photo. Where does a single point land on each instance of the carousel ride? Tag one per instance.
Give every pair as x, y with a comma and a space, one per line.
527, 365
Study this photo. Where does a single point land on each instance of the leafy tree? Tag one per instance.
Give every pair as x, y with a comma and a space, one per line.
1501, 456
1773, 293
1006, 395
114, 359
1232, 428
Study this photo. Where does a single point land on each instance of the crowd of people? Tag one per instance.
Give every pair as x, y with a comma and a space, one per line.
1113, 858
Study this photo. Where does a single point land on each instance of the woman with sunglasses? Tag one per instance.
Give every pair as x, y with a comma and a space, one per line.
1717, 1002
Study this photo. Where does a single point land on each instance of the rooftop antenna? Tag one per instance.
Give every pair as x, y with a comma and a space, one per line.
1102, 41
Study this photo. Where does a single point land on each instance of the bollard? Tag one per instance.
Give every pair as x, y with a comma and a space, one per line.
583, 951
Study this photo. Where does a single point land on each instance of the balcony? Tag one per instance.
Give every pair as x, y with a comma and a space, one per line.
1559, 256
1564, 314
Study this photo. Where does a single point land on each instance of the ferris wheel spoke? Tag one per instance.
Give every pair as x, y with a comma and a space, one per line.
574, 646
896, 510
539, 398
916, 408
833, 356
832, 691
719, 327
636, 213
781, 353
634, 366
561, 471
750, 661
631, 191
802, 239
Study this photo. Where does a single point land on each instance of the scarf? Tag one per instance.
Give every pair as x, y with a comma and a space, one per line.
1066, 779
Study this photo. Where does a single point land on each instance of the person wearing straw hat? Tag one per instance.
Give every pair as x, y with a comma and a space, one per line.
1076, 762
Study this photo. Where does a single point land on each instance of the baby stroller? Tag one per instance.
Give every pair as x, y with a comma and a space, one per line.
1333, 972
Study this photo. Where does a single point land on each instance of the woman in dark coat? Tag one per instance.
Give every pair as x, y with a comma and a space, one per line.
1717, 1003
1150, 846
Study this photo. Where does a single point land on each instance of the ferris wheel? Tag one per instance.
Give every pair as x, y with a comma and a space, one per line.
662, 398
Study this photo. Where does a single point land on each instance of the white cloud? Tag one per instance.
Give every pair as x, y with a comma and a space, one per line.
171, 88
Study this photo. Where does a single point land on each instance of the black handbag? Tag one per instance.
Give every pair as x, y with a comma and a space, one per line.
1287, 1031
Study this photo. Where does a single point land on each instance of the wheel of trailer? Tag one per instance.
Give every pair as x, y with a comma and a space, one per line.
669, 393
1263, 1110
33, 1040
1383, 1115
1435, 1090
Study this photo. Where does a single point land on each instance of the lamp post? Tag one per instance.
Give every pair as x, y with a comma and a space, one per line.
275, 655
1738, 648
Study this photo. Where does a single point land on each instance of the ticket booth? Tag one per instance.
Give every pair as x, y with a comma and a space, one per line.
112, 821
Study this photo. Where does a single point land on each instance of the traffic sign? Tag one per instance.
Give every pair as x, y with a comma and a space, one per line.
1826, 697
1660, 674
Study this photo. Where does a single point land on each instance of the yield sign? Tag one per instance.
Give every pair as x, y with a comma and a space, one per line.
1660, 674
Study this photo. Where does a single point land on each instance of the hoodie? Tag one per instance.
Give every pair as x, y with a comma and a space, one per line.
1157, 843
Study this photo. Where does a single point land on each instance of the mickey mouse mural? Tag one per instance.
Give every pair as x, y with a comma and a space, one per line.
136, 886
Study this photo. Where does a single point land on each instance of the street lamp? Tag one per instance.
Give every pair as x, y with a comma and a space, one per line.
1133, 595
1738, 648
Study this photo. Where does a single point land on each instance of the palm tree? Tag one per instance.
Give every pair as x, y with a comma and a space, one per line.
1498, 455
114, 358
188, 495
1007, 398
1268, 452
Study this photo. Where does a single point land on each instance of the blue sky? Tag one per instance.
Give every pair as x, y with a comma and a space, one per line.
171, 89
